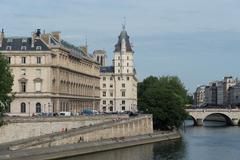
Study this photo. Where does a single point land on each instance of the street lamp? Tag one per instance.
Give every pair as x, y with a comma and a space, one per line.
29, 109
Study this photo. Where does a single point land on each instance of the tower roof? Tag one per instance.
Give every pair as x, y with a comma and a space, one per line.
123, 35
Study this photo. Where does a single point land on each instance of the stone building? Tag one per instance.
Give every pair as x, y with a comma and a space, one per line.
234, 95
50, 75
217, 93
199, 96
211, 94
228, 82
118, 82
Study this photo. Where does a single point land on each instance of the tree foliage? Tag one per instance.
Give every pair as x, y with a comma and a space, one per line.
165, 98
6, 82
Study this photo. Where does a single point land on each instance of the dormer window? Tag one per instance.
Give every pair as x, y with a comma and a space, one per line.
24, 40
9, 40
23, 48
38, 48
9, 48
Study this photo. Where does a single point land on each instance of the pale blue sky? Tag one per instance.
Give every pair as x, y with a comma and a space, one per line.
197, 40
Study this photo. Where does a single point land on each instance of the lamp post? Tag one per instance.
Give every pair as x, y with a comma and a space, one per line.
29, 109
48, 107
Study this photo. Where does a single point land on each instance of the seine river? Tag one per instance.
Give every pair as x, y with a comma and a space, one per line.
198, 143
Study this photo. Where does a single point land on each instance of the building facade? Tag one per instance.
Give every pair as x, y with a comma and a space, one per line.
218, 93
50, 75
118, 82
199, 96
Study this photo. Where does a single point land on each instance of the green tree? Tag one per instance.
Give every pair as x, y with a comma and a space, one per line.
6, 82
165, 98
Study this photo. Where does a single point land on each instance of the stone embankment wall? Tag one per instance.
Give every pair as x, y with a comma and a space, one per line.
18, 128
140, 125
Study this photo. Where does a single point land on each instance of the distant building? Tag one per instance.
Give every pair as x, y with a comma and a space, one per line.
220, 93
199, 96
228, 82
211, 94
50, 75
234, 95
118, 82
217, 93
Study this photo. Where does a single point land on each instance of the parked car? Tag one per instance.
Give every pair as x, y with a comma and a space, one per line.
90, 112
65, 114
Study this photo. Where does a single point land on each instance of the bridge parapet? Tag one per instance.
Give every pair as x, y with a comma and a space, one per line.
200, 114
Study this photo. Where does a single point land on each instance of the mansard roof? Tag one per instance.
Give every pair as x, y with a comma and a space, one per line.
16, 44
107, 69
123, 35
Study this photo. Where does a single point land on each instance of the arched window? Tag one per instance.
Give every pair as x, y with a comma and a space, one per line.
23, 107
38, 108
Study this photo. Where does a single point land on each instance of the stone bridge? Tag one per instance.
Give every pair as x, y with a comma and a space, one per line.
231, 116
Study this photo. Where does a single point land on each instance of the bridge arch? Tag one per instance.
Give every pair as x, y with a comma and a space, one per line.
190, 117
225, 116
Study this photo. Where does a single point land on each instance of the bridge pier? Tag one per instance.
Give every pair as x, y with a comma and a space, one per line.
199, 122
235, 121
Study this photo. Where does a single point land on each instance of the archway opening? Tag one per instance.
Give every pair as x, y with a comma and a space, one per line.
190, 121
217, 120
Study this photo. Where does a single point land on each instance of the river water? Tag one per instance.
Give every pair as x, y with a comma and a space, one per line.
197, 143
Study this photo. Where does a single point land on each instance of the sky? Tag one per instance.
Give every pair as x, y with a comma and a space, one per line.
197, 40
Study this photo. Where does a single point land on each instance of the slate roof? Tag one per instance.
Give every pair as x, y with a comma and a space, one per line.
123, 35
107, 69
17, 42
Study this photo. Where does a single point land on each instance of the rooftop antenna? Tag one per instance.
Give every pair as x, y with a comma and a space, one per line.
124, 23
86, 41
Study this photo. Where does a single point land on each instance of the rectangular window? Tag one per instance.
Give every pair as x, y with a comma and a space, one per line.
111, 86
119, 78
9, 60
104, 85
111, 78
38, 86
104, 102
123, 94
104, 78
123, 108
123, 85
23, 87
104, 109
23, 72
111, 109
39, 60
123, 102
104, 94
23, 60
128, 78
111, 102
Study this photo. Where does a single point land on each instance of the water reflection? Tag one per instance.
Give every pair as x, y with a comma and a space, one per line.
198, 143
143, 152
174, 150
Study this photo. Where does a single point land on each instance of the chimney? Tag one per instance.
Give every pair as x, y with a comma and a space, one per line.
57, 35
1, 37
33, 38
38, 33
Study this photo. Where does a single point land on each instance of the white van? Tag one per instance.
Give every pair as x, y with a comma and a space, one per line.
65, 114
